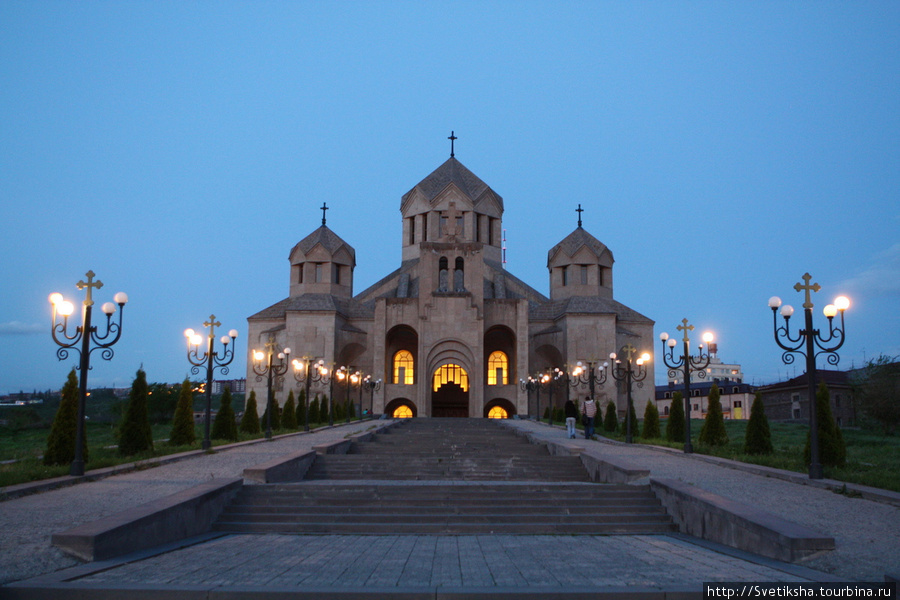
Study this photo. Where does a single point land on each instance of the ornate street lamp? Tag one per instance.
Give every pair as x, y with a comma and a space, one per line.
338, 373
307, 373
529, 385
372, 384
270, 371
211, 360
627, 373
548, 380
815, 344
589, 375
84, 334
352, 379
687, 363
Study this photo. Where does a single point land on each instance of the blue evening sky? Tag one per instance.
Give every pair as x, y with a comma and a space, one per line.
180, 149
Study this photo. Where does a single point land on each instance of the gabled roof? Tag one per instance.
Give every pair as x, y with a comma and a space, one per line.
329, 240
453, 171
573, 242
584, 305
348, 307
831, 378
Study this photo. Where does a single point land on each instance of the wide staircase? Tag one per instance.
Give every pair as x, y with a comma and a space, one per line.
446, 476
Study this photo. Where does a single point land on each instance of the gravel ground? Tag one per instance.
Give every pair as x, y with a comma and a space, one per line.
27, 523
866, 533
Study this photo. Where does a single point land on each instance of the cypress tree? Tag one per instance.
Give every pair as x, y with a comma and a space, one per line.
832, 451
651, 422
611, 419
314, 410
135, 434
250, 420
61, 441
289, 413
183, 433
224, 426
301, 408
758, 439
276, 415
635, 428
713, 431
675, 422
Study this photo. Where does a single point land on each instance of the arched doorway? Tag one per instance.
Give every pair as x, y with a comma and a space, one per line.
499, 408
450, 392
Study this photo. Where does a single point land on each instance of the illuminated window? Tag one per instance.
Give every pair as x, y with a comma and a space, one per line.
497, 367
403, 412
451, 374
498, 412
403, 367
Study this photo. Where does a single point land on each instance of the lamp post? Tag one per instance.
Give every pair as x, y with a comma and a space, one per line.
312, 372
336, 373
352, 379
629, 374
688, 363
372, 384
582, 375
212, 360
548, 380
815, 344
529, 385
83, 335
270, 371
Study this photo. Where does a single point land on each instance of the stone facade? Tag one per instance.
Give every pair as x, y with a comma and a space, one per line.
450, 332
789, 400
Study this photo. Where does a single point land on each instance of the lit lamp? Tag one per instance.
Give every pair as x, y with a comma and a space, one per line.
270, 370
631, 371
308, 372
211, 359
588, 375
688, 364
815, 343
83, 336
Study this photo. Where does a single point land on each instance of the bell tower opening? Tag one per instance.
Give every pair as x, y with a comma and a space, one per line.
450, 392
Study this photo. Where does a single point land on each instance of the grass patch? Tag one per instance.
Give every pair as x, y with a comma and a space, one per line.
26, 448
873, 459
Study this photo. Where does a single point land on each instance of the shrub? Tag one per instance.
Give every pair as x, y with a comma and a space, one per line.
832, 451
183, 424
301, 408
713, 431
651, 422
314, 410
61, 442
675, 422
289, 413
224, 426
250, 420
634, 422
611, 419
135, 434
758, 439
276, 415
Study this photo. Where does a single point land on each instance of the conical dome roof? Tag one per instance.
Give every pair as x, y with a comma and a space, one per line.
453, 171
573, 242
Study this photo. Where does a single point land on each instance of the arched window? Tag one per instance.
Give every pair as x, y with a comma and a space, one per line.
403, 412
403, 367
498, 412
498, 365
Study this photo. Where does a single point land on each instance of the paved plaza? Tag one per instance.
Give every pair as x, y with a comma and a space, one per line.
381, 566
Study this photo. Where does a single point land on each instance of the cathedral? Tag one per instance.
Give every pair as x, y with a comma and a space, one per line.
450, 332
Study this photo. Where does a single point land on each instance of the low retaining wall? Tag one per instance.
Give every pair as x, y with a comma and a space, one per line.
292, 467
711, 517
181, 515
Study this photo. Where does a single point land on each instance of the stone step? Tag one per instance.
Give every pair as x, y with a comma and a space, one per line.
534, 528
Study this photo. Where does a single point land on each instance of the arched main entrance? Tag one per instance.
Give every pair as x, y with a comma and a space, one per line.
450, 392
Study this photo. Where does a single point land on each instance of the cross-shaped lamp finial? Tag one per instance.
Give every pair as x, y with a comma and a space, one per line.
88, 300
212, 324
814, 287
685, 328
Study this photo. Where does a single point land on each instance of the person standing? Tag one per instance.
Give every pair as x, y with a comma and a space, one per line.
589, 410
571, 415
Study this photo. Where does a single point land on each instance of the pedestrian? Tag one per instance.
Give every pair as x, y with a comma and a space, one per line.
571, 415
588, 412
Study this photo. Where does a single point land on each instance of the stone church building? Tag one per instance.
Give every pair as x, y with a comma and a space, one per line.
450, 332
